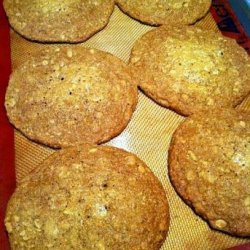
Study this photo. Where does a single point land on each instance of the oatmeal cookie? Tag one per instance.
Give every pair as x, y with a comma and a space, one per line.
88, 197
189, 69
66, 95
209, 166
58, 21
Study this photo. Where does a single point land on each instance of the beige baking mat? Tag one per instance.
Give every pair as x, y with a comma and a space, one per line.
147, 135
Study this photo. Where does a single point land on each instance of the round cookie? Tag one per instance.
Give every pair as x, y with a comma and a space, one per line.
209, 166
89, 197
58, 21
188, 69
170, 12
68, 95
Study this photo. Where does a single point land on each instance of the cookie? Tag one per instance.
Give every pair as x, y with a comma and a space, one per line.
170, 12
209, 166
58, 21
68, 95
89, 197
188, 69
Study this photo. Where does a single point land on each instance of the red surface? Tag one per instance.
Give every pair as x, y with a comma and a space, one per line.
241, 247
7, 168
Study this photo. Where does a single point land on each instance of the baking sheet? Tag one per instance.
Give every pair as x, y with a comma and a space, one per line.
147, 135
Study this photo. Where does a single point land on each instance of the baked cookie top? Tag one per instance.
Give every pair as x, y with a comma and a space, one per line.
89, 197
56, 20
170, 12
69, 94
188, 69
209, 166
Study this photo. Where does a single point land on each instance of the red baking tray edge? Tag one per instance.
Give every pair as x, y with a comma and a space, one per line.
7, 157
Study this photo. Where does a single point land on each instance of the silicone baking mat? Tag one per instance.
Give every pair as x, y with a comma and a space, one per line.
149, 132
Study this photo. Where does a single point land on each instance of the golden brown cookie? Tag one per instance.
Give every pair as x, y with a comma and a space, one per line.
57, 20
170, 12
89, 197
188, 69
69, 95
209, 166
